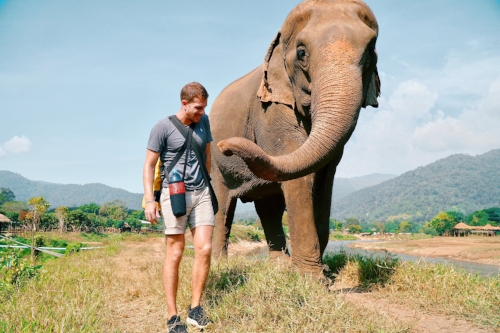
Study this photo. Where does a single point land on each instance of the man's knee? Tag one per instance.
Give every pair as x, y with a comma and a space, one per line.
204, 250
174, 254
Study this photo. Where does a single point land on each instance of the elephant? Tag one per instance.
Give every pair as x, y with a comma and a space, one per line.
280, 130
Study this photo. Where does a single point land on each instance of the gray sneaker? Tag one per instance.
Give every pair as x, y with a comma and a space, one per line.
174, 325
196, 317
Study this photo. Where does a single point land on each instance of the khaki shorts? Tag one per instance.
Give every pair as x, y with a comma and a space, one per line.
199, 211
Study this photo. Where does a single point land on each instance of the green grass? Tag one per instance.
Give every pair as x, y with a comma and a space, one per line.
67, 296
245, 232
339, 236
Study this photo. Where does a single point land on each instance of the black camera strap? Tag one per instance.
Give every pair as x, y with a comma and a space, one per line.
197, 151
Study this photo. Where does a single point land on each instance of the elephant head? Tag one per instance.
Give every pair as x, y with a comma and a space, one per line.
322, 64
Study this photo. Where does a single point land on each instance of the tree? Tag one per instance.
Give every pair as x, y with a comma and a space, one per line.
14, 206
115, 210
90, 208
380, 226
351, 221
404, 226
335, 224
6, 195
62, 216
354, 229
478, 218
443, 223
38, 206
77, 219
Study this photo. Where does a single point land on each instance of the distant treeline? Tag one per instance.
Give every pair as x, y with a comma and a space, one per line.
441, 224
87, 217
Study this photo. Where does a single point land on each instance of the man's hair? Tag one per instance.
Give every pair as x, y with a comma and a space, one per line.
192, 90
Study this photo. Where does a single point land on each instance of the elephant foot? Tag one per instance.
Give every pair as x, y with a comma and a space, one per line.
315, 270
219, 253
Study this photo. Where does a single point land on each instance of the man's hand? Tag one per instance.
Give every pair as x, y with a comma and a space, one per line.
152, 213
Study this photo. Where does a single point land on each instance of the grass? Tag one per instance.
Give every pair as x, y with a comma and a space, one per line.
261, 296
361, 270
443, 289
67, 296
339, 236
118, 289
405, 236
245, 232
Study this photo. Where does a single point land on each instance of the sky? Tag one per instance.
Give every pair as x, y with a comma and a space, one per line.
83, 82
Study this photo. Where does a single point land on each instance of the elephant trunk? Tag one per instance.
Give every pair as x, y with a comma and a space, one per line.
335, 104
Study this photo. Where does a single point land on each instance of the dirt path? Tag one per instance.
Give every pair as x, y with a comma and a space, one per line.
418, 321
137, 301
482, 250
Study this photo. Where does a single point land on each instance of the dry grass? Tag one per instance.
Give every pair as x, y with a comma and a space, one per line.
442, 289
66, 297
107, 291
118, 289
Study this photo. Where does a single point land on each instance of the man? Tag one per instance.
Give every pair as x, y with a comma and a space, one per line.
164, 142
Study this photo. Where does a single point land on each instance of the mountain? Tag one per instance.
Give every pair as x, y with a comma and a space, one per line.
70, 195
341, 188
345, 186
459, 182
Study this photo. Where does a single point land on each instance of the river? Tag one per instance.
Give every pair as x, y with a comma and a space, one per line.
482, 269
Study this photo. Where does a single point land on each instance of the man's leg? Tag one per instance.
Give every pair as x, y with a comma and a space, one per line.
202, 239
175, 248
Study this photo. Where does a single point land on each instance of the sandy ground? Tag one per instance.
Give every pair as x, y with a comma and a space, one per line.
135, 309
482, 250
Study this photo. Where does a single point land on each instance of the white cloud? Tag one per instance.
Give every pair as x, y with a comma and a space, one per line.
17, 145
405, 132
2, 152
474, 130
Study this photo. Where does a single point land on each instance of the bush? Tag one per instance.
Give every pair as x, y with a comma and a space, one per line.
73, 248
370, 270
245, 232
16, 271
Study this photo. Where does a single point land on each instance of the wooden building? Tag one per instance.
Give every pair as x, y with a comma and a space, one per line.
5, 223
462, 229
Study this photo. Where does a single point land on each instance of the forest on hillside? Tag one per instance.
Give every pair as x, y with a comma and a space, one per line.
460, 183
70, 195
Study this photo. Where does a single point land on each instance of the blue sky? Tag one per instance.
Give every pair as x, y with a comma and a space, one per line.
83, 82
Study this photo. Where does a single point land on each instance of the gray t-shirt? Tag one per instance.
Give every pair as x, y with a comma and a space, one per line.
166, 139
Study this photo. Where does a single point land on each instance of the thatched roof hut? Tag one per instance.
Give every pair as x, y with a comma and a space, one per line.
462, 225
490, 227
4, 219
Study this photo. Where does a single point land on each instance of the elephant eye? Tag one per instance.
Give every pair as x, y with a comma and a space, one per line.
301, 54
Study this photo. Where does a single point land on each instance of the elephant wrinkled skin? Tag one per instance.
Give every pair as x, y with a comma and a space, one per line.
280, 130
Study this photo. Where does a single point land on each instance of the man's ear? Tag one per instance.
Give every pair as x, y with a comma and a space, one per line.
373, 91
275, 86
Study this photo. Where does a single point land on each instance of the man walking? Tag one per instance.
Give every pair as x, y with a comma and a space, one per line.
165, 141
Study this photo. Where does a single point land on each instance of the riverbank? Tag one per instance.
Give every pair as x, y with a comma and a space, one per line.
481, 250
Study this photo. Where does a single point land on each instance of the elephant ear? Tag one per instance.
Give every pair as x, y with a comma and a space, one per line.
373, 91
275, 85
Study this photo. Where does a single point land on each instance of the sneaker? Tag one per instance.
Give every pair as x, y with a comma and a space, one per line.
196, 317
174, 325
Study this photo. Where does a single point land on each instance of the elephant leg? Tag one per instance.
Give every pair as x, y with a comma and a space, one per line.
270, 210
223, 218
304, 240
322, 202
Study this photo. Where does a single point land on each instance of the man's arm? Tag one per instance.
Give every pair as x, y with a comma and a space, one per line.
208, 157
151, 210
